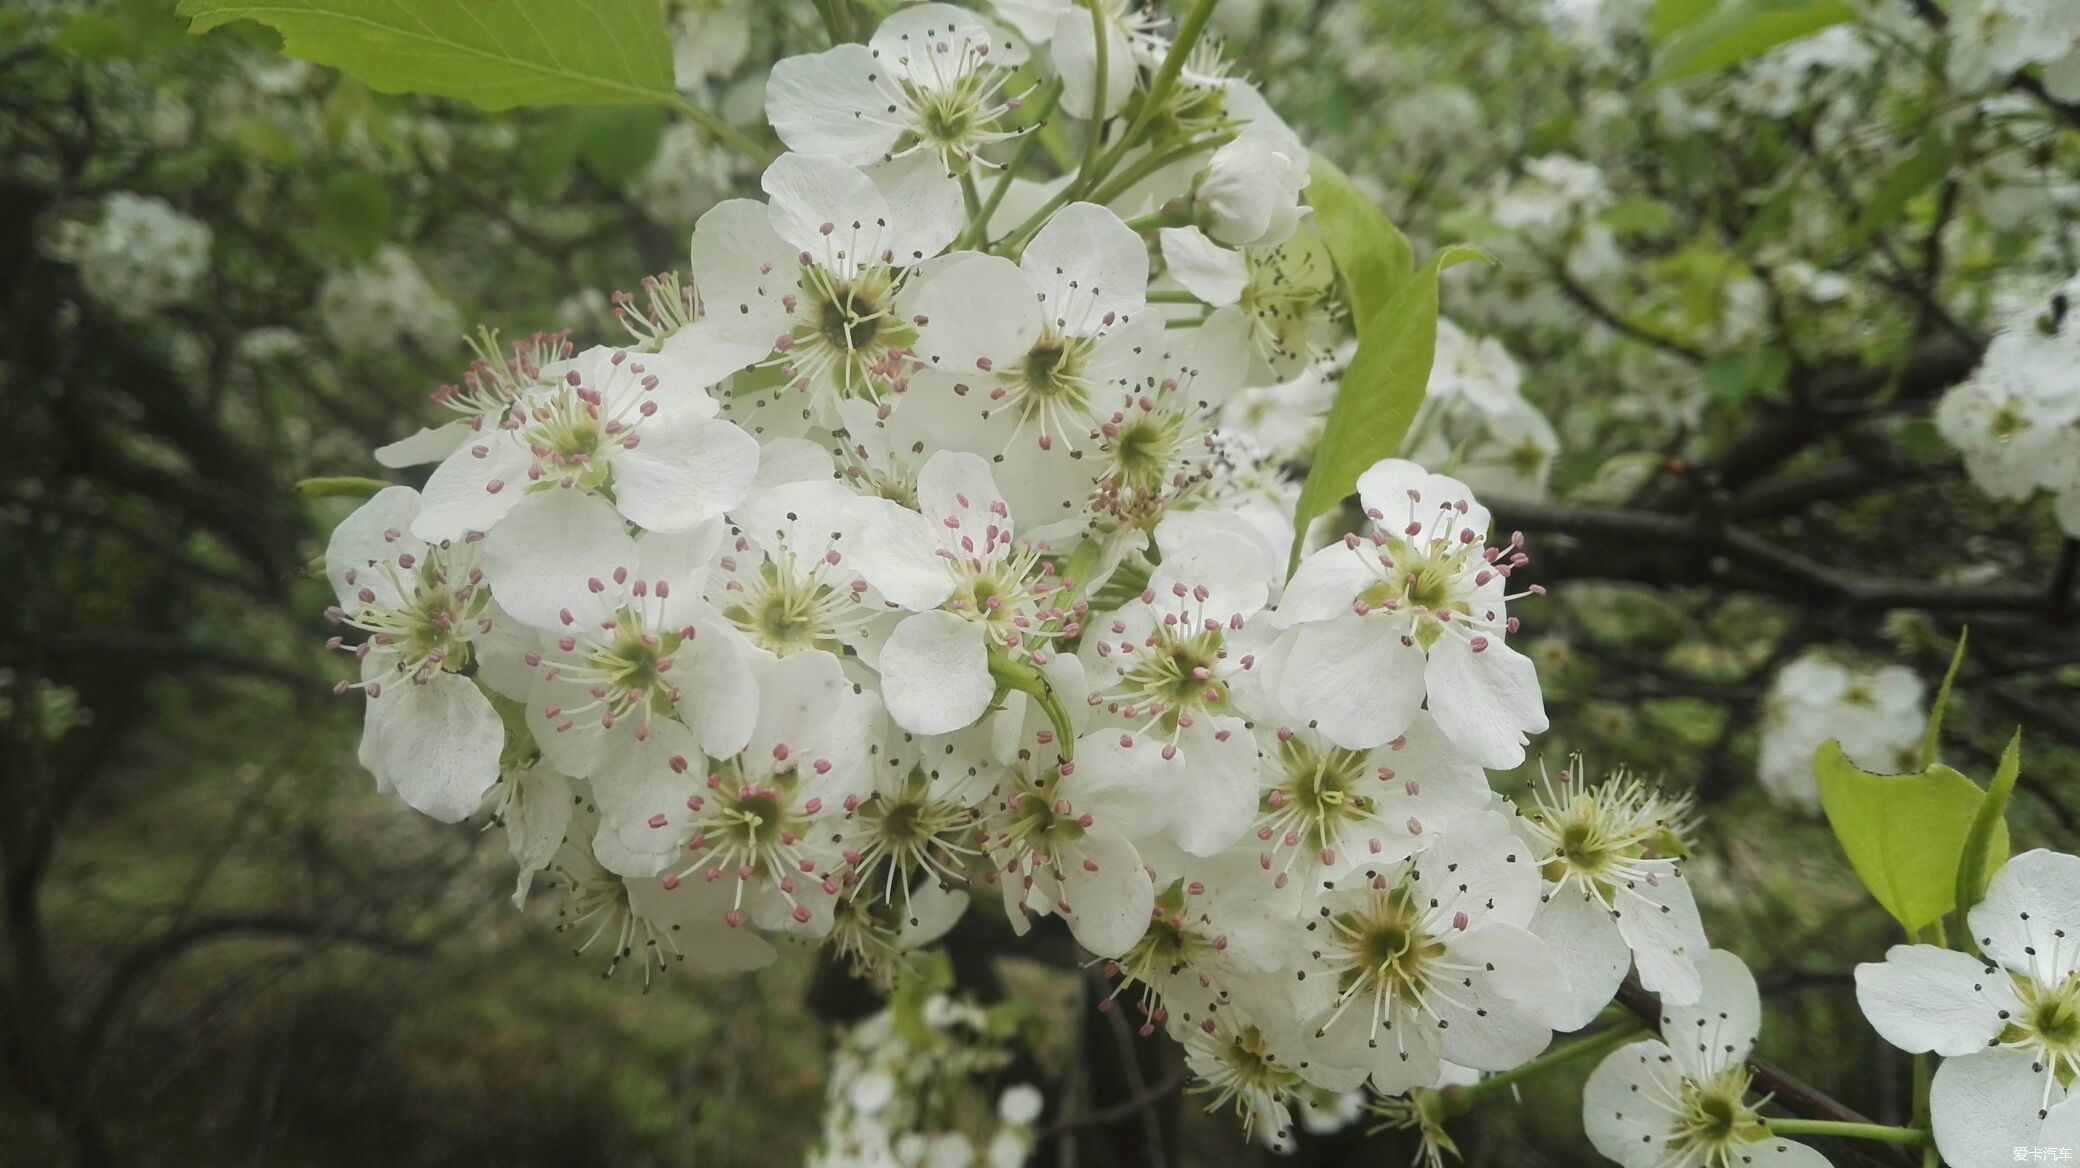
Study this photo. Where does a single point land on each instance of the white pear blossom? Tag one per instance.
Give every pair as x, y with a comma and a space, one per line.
638, 428
1164, 671
1060, 847
2007, 1025
1413, 612
1251, 191
1405, 966
931, 80
1325, 810
1616, 893
498, 377
1074, 30
762, 821
810, 282
1680, 1101
1877, 714
973, 587
430, 734
1280, 294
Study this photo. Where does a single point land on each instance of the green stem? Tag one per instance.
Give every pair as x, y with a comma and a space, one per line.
1172, 296
978, 231
1165, 80
1848, 1131
1153, 162
1462, 1098
971, 199
725, 133
340, 487
1024, 677
1095, 145
1175, 213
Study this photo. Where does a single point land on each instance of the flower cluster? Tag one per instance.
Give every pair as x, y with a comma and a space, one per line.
1876, 714
922, 551
141, 256
2016, 420
896, 1095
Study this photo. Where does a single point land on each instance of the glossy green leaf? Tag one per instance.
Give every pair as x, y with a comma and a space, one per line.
1371, 254
618, 144
1737, 30
1905, 834
1381, 391
1932, 737
495, 53
1977, 863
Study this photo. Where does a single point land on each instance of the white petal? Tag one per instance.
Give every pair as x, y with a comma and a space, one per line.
1623, 1112
932, 911
1500, 1006
1223, 802
695, 909
372, 535
1782, 1154
926, 43
460, 496
429, 445
1209, 271
976, 308
1719, 1031
1587, 948
719, 698
1983, 1106
540, 560
1109, 895
1076, 58
822, 206
897, 551
955, 487
1486, 702
1092, 265
682, 470
743, 269
439, 745
935, 673
825, 105
1385, 487
1326, 585
1658, 919
2033, 902
537, 813
1921, 998
925, 213
1359, 681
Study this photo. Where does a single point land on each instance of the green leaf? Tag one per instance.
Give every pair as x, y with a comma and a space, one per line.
618, 143
354, 214
1740, 29
1974, 868
1639, 216
1669, 17
1370, 252
1909, 177
1381, 392
1932, 737
1733, 379
1904, 834
495, 53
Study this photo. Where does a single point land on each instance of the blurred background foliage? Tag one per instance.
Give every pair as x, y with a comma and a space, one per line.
223, 947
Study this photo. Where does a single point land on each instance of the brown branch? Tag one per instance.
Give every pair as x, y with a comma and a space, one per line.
1112, 1113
